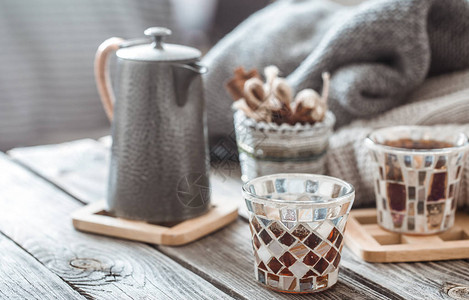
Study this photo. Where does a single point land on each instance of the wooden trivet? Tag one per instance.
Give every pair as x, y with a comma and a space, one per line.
95, 219
375, 244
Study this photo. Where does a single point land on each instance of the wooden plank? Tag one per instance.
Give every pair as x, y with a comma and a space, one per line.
36, 215
407, 280
411, 280
80, 167
225, 183
374, 244
360, 238
233, 272
412, 239
23, 277
225, 258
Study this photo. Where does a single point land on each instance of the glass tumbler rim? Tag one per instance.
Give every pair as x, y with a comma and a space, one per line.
347, 197
371, 143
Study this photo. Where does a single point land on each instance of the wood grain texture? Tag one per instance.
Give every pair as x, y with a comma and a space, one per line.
80, 167
93, 218
23, 277
411, 280
374, 244
36, 215
402, 280
225, 259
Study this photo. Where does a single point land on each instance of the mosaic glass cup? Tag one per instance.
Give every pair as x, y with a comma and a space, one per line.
297, 222
417, 171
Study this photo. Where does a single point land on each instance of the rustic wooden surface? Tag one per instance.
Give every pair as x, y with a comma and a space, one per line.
219, 265
36, 215
93, 219
374, 244
21, 276
78, 167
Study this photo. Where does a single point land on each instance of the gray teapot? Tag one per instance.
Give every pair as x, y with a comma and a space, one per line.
159, 155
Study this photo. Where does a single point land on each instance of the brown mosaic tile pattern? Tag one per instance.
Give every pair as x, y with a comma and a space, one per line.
309, 258
265, 236
297, 245
286, 272
287, 239
299, 250
276, 229
312, 241
301, 232
274, 265
287, 259
416, 193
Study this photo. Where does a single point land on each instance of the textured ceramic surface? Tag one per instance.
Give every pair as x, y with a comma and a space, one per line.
267, 148
297, 222
416, 189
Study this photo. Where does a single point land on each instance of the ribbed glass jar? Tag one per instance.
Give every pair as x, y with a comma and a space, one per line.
268, 148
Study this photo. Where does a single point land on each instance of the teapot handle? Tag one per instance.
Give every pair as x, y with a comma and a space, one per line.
101, 72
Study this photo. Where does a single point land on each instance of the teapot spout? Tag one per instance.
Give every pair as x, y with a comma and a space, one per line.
183, 75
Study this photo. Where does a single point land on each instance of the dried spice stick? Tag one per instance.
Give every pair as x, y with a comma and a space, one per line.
235, 86
309, 106
280, 95
258, 115
272, 101
254, 93
305, 104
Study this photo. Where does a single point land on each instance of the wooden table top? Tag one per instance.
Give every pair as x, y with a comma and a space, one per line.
42, 256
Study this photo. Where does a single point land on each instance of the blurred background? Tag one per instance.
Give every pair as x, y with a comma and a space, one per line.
47, 89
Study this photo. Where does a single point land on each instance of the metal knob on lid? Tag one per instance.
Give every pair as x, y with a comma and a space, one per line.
158, 50
158, 34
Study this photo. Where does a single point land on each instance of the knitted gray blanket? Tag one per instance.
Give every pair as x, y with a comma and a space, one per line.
377, 53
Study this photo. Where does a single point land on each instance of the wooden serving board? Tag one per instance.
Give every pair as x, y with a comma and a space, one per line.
95, 219
374, 244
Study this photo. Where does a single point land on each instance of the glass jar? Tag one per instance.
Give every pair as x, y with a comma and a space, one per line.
268, 148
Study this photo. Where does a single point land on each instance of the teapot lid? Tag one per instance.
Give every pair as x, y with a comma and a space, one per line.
157, 51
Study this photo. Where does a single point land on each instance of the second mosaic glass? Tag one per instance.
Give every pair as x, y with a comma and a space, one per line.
417, 172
